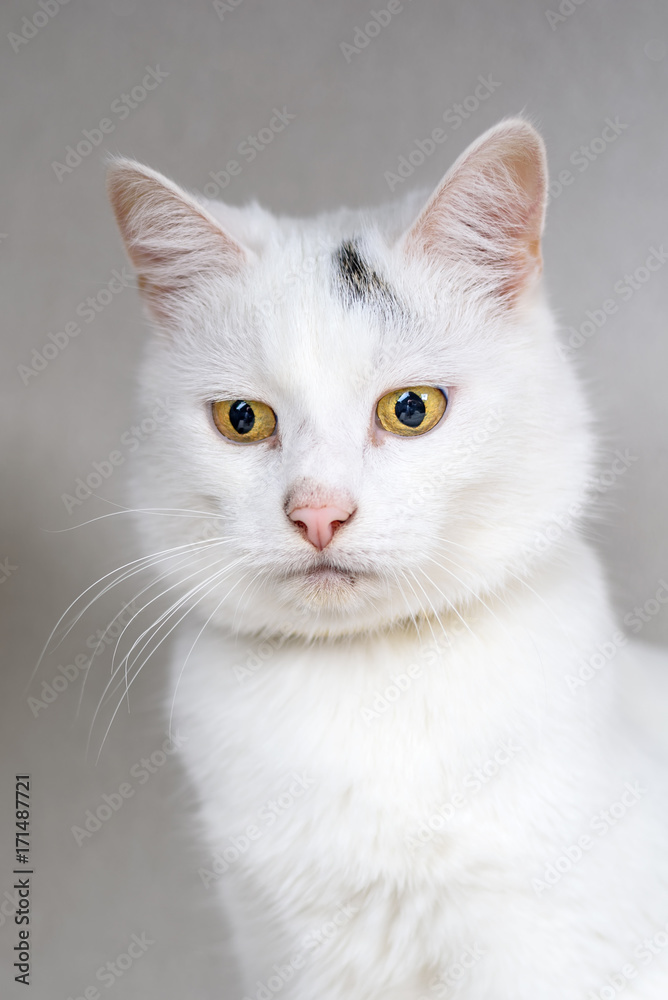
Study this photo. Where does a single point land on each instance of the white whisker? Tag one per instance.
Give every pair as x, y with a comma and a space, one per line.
163, 511
197, 638
152, 630
137, 673
450, 604
434, 611
139, 564
524, 583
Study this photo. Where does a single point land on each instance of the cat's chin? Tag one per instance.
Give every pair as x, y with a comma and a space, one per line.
326, 599
325, 586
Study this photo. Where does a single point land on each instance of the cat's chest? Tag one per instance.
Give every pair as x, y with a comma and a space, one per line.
354, 755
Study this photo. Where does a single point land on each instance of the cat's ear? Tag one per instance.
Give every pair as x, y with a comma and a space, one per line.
171, 239
487, 213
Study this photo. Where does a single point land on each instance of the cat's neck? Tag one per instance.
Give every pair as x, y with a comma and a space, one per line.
507, 655
439, 699
564, 589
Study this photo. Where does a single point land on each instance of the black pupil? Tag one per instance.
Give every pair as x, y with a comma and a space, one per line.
242, 417
410, 409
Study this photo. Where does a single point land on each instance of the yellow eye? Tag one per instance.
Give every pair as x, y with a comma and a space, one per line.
412, 411
243, 421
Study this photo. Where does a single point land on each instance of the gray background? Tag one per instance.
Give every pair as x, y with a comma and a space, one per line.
59, 245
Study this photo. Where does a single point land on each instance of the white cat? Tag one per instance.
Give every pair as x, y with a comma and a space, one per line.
402, 690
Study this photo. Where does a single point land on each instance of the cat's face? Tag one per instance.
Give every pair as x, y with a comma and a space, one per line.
367, 409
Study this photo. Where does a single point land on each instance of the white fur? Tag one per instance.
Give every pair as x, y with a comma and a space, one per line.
469, 568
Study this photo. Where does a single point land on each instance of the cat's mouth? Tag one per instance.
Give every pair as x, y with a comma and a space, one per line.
324, 572
324, 584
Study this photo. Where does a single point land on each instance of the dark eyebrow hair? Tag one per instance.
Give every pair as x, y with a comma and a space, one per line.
356, 281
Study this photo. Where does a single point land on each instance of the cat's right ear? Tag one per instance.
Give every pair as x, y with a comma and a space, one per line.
173, 242
486, 217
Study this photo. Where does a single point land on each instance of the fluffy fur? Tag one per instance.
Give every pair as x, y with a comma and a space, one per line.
409, 691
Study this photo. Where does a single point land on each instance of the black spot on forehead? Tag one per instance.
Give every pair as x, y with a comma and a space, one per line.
356, 280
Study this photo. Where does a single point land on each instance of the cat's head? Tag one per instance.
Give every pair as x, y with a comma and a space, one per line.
367, 408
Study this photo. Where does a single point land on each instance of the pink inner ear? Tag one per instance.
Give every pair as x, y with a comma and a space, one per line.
489, 210
171, 240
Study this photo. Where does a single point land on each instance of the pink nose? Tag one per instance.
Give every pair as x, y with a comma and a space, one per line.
320, 522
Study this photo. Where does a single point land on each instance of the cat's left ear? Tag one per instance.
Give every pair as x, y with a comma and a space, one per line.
172, 240
486, 216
